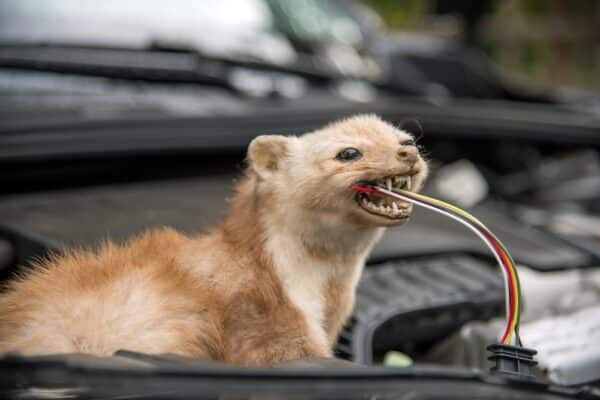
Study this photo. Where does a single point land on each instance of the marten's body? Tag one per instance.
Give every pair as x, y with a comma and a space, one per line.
274, 281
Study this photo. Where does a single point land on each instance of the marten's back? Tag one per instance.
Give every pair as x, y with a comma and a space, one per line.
133, 296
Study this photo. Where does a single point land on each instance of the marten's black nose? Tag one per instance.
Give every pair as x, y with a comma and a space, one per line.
408, 154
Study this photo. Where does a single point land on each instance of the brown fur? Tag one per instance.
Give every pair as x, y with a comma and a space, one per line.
274, 281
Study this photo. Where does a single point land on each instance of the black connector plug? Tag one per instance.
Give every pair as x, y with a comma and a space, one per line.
513, 361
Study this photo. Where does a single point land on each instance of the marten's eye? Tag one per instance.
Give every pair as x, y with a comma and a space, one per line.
349, 154
409, 142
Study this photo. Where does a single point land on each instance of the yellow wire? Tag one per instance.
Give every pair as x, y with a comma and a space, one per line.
511, 267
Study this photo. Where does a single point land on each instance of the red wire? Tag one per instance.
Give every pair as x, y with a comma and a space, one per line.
511, 286
363, 189
499, 250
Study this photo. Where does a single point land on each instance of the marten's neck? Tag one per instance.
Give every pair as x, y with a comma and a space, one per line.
310, 255
257, 217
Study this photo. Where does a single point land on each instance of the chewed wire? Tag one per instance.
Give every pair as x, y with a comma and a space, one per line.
510, 335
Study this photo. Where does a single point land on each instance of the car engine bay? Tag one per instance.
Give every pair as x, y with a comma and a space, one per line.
144, 122
431, 293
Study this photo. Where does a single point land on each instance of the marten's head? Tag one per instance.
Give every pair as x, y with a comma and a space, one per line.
314, 172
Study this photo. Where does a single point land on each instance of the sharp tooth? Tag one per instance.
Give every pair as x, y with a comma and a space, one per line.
389, 183
395, 208
409, 183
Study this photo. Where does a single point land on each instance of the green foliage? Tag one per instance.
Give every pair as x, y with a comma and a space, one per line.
553, 42
399, 13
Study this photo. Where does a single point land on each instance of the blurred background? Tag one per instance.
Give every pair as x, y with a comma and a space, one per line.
117, 116
552, 43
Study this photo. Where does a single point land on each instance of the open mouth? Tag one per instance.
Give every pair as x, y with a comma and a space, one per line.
384, 206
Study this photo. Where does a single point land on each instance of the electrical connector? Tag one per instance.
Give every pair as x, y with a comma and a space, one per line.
513, 361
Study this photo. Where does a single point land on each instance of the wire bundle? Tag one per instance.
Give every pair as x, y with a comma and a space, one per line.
513, 292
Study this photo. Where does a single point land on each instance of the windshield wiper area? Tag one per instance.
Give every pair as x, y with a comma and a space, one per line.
154, 64
114, 63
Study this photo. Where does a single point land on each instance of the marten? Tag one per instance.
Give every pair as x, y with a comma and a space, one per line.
275, 280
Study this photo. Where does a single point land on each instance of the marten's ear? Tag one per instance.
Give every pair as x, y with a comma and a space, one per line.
265, 153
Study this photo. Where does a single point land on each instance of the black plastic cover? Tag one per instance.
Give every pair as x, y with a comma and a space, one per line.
421, 300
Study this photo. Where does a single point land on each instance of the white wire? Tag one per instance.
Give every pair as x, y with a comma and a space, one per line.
478, 233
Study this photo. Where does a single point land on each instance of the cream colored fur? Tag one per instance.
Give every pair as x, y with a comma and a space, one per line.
274, 281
